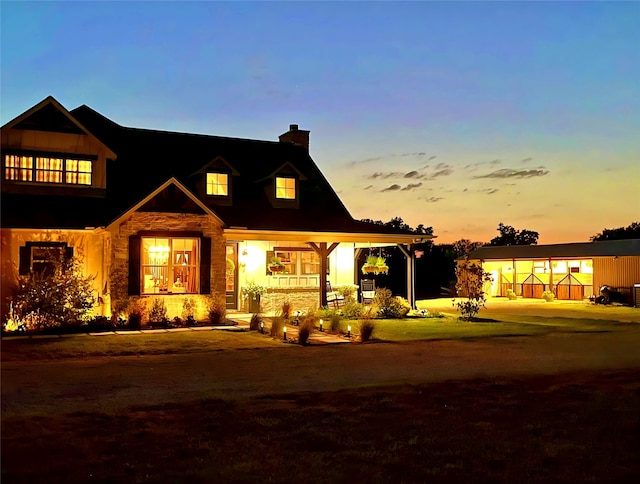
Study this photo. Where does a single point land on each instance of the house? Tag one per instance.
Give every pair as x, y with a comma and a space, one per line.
573, 271
165, 214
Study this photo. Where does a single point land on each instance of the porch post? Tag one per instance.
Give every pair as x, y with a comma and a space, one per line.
409, 256
323, 252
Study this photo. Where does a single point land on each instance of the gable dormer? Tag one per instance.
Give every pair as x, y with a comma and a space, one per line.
46, 151
282, 186
214, 181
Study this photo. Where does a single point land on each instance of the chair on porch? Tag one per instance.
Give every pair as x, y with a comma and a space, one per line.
334, 299
367, 290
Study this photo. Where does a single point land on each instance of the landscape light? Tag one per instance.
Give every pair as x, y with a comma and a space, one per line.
284, 337
349, 331
321, 325
262, 327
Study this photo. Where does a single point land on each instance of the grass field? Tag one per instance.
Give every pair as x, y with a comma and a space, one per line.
572, 428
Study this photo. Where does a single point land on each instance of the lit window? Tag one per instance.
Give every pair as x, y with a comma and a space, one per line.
169, 265
309, 262
218, 184
78, 172
18, 167
285, 188
43, 169
49, 170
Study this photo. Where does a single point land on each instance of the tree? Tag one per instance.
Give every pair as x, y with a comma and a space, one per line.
511, 236
630, 232
471, 278
463, 247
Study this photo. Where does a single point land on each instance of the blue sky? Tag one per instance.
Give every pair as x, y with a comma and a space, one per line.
458, 115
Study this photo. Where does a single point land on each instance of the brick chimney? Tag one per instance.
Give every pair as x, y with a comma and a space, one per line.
296, 136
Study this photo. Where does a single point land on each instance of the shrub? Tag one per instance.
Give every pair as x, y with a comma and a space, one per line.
277, 323
307, 326
335, 322
285, 311
158, 312
101, 323
254, 324
60, 296
136, 312
352, 310
548, 296
366, 329
217, 312
189, 310
349, 292
388, 306
511, 295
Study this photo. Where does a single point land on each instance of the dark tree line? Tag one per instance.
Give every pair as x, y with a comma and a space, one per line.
630, 232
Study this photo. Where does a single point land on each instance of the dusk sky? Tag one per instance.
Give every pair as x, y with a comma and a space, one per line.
454, 115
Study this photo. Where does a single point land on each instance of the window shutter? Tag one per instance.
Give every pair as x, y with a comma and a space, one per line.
25, 261
68, 253
205, 265
134, 265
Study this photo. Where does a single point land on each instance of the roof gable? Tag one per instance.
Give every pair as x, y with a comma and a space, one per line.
51, 116
166, 199
218, 163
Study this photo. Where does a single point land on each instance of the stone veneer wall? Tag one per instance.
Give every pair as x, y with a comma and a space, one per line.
169, 222
301, 298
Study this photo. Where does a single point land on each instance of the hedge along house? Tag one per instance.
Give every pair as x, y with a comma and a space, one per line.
167, 214
571, 271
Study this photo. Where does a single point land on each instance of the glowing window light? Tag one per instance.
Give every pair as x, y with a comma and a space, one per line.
285, 188
218, 184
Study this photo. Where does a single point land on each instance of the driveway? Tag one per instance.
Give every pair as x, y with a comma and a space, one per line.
112, 383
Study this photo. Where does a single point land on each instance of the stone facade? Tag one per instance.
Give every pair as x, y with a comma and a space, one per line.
300, 298
169, 222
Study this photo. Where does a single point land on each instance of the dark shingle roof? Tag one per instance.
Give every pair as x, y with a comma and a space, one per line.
580, 249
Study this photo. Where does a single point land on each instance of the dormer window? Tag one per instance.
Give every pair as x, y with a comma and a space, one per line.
218, 184
285, 188
44, 169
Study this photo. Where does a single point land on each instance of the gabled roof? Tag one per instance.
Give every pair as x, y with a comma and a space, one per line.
50, 115
156, 192
576, 250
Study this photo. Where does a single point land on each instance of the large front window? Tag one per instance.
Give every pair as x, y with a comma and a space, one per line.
44, 169
170, 265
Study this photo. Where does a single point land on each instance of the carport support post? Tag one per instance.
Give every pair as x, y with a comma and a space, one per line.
323, 253
411, 263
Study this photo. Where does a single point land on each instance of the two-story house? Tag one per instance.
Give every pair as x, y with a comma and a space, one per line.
165, 214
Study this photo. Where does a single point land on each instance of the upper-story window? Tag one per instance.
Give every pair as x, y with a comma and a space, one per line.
43, 169
218, 184
285, 188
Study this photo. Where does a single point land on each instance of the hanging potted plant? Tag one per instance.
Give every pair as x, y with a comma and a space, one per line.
381, 265
276, 266
371, 265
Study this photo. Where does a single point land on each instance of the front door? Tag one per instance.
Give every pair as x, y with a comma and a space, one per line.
231, 275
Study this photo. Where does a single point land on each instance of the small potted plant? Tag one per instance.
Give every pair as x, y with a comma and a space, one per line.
276, 266
371, 265
252, 293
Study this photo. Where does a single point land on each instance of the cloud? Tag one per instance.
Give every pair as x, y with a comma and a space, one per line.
412, 186
368, 187
391, 188
492, 191
432, 158
526, 160
433, 199
421, 153
384, 176
412, 174
509, 173
445, 172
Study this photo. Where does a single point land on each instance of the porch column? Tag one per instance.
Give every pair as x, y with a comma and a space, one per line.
323, 252
356, 268
410, 258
